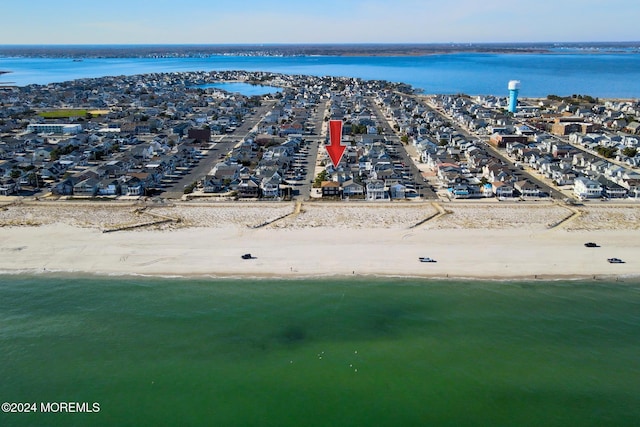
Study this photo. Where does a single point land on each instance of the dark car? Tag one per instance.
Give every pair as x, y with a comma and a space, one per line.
247, 256
591, 245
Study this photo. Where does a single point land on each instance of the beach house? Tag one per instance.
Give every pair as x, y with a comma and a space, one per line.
585, 188
376, 190
352, 189
330, 188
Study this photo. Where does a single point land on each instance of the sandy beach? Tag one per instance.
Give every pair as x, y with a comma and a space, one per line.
468, 240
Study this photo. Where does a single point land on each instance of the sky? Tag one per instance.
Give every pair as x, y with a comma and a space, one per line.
323, 21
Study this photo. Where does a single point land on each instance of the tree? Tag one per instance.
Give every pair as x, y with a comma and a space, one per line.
189, 188
630, 151
358, 129
33, 179
322, 176
607, 152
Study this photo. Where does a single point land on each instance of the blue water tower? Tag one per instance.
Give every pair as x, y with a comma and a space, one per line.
514, 88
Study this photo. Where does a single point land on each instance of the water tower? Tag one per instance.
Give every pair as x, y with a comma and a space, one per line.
514, 87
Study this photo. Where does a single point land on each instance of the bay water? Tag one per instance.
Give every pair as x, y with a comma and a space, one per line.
319, 352
607, 74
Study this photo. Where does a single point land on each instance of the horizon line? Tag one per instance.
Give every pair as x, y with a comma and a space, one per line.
333, 43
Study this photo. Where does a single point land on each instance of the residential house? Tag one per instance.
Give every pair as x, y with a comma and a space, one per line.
42, 153
291, 128
248, 187
138, 128
330, 188
459, 191
612, 190
64, 187
501, 141
562, 150
633, 127
113, 169
585, 188
270, 186
8, 187
527, 188
397, 191
352, 189
87, 187
376, 190
222, 174
142, 153
133, 184
486, 190
108, 187
502, 189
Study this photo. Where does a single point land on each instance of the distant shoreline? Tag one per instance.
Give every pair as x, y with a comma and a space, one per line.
363, 49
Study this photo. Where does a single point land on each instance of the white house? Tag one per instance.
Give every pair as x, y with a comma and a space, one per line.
502, 189
270, 186
376, 190
585, 188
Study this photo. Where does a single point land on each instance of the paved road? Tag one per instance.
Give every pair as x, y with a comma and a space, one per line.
312, 142
220, 149
302, 191
423, 189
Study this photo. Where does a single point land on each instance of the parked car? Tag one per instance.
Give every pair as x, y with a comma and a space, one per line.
615, 261
426, 259
591, 245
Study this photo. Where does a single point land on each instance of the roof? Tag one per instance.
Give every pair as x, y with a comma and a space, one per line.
525, 184
351, 183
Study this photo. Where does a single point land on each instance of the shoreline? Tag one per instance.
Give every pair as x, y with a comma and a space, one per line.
323, 241
542, 279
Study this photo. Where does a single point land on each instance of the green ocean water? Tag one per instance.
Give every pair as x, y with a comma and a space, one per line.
356, 352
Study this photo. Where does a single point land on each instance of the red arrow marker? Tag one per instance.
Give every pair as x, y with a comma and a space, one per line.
335, 149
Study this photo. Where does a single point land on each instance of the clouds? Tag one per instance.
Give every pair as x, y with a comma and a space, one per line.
330, 21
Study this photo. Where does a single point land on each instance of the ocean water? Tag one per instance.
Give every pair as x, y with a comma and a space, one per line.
384, 352
604, 74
